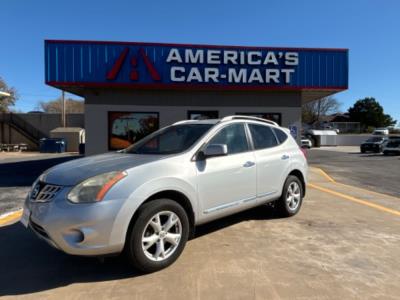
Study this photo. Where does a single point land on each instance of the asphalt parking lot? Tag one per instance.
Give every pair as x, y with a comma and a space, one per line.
370, 170
344, 243
19, 170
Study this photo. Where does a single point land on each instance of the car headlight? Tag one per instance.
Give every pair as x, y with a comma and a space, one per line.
95, 188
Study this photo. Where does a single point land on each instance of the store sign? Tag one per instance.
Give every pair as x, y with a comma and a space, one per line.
164, 65
197, 65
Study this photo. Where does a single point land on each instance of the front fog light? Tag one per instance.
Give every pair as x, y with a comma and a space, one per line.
95, 188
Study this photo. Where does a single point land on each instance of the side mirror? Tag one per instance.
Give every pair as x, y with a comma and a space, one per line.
215, 150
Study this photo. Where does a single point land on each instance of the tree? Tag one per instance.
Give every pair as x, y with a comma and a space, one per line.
7, 101
369, 112
55, 106
313, 111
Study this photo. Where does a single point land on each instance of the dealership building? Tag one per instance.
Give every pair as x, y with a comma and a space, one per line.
131, 89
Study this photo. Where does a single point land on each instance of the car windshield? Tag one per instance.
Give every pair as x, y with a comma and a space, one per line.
170, 140
374, 140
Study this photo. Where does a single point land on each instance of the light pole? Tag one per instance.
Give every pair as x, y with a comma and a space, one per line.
63, 108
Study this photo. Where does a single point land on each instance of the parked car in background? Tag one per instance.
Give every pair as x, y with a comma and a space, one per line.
147, 199
306, 142
392, 147
380, 131
373, 144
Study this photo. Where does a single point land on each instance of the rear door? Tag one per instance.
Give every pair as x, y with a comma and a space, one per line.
271, 159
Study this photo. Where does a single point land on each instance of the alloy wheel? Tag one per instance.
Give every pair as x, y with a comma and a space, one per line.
293, 196
161, 235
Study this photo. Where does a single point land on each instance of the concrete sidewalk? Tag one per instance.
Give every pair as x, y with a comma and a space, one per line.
334, 248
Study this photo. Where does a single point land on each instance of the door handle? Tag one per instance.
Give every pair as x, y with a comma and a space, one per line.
248, 164
285, 156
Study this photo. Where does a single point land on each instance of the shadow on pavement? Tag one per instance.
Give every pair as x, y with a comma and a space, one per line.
24, 173
29, 265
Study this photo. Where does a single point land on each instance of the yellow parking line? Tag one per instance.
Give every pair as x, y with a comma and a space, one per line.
352, 187
354, 199
11, 217
326, 175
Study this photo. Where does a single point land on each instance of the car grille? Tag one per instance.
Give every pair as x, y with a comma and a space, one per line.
44, 192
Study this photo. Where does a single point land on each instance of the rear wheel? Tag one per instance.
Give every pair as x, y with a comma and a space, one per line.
292, 196
158, 235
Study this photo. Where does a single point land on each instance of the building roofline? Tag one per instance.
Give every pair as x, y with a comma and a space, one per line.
51, 41
173, 86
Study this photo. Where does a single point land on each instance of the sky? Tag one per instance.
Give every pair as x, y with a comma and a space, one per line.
369, 29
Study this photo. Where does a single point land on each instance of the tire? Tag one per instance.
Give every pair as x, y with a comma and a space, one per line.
149, 231
362, 151
286, 208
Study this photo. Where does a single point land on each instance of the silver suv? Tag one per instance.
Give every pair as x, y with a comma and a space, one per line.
147, 199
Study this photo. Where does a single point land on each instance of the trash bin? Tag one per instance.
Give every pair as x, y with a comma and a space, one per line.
52, 145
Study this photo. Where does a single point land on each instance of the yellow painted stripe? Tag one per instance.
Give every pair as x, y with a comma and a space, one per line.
11, 217
368, 191
325, 175
354, 199
353, 187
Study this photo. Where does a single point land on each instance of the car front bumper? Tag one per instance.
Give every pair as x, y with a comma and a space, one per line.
78, 229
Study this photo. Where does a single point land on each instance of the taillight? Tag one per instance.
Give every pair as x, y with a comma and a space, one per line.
304, 151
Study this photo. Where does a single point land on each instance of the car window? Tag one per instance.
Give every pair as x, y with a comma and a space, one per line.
263, 137
170, 140
393, 144
234, 137
281, 135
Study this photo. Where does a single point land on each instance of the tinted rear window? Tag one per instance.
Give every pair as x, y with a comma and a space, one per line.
263, 137
280, 135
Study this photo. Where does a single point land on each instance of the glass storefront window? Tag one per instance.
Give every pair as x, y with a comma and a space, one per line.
202, 114
126, 128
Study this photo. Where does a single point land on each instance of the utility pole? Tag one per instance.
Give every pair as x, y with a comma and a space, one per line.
63, 121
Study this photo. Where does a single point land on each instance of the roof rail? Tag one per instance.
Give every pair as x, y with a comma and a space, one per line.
181, 122
240, 117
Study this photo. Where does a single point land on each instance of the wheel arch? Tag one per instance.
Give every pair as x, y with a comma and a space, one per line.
300, 176
171, 194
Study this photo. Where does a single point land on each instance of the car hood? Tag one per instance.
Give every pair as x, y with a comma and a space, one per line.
76, 171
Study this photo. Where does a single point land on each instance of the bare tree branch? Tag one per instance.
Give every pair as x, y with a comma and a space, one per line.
54, 106
313, 111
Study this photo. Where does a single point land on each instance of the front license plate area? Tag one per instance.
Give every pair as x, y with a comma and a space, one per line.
25, 217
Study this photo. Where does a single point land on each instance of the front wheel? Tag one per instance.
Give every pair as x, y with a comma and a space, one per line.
292, 196
158, 235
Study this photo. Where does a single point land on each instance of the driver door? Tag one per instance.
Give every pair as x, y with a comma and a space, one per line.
227, 183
